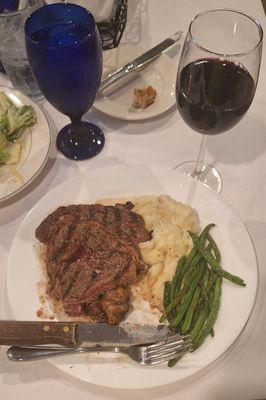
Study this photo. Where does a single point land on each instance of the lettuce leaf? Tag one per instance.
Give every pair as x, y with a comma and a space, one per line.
4, 154
5, 103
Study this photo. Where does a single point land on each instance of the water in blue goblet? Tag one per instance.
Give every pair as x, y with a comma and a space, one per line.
65, 54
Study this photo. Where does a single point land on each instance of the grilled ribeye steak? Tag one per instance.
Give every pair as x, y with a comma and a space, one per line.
92, 258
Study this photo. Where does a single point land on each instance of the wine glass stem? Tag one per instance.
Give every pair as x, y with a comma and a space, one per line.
76, 121
200, 159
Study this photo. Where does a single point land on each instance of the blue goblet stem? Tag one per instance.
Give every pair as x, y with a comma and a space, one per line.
80, 140
76, 121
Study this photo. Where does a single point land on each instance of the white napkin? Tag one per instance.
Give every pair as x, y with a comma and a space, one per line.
100, 9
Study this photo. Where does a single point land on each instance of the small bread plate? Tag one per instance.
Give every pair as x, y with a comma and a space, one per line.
238, 256
116, 100
36, 144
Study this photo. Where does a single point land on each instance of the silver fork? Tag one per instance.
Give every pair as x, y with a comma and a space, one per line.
145, 354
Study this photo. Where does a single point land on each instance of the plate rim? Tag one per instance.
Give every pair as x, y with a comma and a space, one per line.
38, 171
230, 345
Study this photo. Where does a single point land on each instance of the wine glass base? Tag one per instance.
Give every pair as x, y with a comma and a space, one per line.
207, 174
80, 142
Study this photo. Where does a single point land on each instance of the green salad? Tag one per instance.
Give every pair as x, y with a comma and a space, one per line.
13, 123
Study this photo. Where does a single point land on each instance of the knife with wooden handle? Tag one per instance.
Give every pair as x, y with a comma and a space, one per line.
34, 333
74, 334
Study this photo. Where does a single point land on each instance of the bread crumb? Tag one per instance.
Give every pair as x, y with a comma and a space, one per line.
143, 97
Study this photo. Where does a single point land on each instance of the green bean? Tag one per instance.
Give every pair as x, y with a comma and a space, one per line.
189, 314
201, 314
177, 276
205, 233
192, 298
233, 278
190, 256
173, 362
190, 271
196, 260
198, 340
187, 299
193, 257
199, 321
169, 289
166, 299
215, 264
215, 249
205, 281
212, 279
185, 269
178, 298
171, 307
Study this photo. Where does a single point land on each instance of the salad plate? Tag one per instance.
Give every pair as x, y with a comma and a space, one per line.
230, 234
116, 100
35, 147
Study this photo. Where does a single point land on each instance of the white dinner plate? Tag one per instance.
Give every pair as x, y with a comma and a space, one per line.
116, 100
36, 143
238, 257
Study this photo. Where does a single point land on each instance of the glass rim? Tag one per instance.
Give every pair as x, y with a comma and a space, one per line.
18, 12
254, 20
54, 5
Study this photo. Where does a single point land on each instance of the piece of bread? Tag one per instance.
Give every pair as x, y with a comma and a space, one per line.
142, 98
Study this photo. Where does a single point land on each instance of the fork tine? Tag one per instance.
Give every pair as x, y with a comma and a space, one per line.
168, 349
166, 352
168, 346
165, 357
172, 339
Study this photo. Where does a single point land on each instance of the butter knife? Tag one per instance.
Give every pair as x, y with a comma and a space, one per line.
140, 61
73, 334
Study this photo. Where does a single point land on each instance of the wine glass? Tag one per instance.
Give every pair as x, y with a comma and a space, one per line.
217, 78
65, 54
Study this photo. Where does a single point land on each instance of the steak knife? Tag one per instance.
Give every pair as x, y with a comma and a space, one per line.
140, 61
73, 334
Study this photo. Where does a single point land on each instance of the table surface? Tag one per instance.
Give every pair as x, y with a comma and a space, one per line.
240, 157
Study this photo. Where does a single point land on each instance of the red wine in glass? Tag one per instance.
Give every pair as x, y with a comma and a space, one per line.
214, 94
217, 79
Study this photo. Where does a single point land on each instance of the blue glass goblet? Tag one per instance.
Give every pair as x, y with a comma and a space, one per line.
65, 54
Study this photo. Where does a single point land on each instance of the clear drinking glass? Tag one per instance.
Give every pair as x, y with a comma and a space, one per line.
8, 5
12, 47
217, 79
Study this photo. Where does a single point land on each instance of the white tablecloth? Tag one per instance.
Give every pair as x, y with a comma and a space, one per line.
240, 157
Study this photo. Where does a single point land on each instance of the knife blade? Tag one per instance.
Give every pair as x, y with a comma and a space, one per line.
140, 61
73, 334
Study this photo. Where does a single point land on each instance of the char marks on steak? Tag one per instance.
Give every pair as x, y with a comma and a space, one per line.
92, 258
